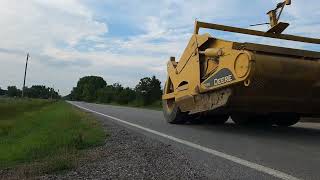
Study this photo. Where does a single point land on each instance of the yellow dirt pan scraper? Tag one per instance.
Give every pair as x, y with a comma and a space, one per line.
215, 78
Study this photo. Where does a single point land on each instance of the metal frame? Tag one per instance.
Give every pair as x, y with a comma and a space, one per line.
199, 24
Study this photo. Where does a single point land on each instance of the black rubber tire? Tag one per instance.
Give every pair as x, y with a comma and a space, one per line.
285, 120
242, 119
216, 119
263, 121
174, 115
252, 120
195, 119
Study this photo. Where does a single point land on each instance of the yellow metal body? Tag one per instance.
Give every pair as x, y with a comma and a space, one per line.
224, 76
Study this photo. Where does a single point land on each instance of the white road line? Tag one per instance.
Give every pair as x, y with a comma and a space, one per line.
237, 160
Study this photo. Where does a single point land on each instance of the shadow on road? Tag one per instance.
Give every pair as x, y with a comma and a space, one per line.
297, 133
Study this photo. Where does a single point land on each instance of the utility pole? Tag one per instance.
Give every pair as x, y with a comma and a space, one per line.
52, 90
25, 75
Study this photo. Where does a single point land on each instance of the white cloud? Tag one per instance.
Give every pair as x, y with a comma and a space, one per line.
66, 41
37, 25
31, 25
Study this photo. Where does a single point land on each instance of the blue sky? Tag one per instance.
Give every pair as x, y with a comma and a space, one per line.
122, 40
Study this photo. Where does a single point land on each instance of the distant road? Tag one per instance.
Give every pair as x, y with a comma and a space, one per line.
229, 151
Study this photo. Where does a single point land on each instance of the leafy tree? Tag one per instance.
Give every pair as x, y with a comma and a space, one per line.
2, 92
117, 89
87, 88
93, 88
74, 95
126, 95
106, 95
35, 91
40, 91
148, 90
13, 91
116, 93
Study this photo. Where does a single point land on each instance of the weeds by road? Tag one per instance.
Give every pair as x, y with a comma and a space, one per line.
154, 106
41, 136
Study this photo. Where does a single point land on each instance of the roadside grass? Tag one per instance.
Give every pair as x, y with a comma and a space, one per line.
157, 105
10, 107
154, 106
43, 136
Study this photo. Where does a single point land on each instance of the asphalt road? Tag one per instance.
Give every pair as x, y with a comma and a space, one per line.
229, 151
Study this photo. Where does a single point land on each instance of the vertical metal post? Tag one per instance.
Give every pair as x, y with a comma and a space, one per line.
25, 75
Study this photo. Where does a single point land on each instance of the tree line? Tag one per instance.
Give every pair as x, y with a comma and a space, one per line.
35, 91
95, 89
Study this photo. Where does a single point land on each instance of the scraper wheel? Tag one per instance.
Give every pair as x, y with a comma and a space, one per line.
242, 119
285, 120
172, 113
216, 119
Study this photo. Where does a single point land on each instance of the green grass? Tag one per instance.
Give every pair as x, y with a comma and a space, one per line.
49, 135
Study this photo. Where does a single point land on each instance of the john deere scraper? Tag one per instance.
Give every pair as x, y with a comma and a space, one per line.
216, 79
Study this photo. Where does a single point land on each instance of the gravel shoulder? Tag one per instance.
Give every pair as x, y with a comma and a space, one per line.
130, 155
